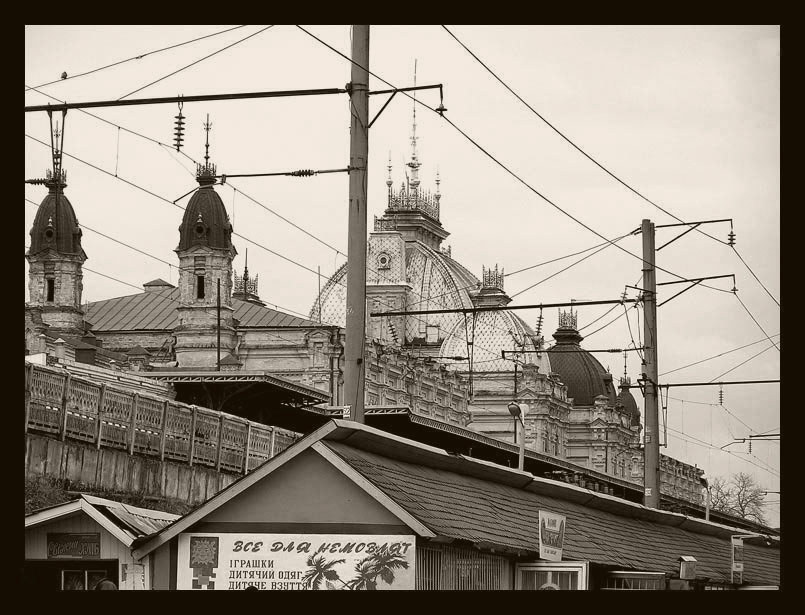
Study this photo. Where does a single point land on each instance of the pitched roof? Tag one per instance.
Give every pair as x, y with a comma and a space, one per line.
123, 521
156, 310
457, 498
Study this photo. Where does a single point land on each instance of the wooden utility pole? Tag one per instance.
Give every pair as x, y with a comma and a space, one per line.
356, 246
651, 450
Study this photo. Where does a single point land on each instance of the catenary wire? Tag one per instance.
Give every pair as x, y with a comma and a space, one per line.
716, 356
147, 85
742, 363
756, 322
138, 57
753, 274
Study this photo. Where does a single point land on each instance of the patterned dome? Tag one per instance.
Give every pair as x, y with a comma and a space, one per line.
56, 227
205, 221
584, 376
494, 331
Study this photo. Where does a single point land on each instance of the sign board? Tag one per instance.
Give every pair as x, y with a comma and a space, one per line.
737, 547
74, 546
295, 561
551, 535
687, 567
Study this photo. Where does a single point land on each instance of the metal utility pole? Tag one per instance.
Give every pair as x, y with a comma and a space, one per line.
356, 246
651, 459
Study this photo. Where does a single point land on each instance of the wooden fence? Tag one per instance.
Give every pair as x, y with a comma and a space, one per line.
75, 408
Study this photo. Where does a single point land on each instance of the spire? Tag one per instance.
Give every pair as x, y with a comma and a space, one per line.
414, 164
205, 175
438, 194
388, 181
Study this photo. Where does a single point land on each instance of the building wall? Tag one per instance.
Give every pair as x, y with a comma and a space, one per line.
132, 574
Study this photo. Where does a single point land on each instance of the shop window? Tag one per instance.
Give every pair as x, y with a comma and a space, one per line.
451, 568
81, 579
635, 581
552, 575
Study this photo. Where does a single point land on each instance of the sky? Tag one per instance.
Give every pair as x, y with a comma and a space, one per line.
686, 119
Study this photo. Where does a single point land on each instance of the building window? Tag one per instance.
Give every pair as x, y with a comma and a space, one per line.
199, 287
552, 575
446, 567
635, 581
51, 290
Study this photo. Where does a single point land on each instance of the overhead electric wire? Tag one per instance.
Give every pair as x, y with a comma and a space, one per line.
756, 322
753, 274
742, 363
716, 356
138, 57
196, 62
599, 165
85, 268
553, 260
500, 164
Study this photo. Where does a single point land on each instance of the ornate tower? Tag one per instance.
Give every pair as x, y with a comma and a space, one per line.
55, 259
205, 264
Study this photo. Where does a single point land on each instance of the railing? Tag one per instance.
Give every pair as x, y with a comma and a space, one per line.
75, 408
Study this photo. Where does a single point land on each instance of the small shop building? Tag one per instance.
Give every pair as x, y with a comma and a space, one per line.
75, 545
351, 507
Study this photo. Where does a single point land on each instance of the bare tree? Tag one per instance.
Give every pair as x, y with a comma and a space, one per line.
740, 496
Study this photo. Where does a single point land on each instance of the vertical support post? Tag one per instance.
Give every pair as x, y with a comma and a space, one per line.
29, 375
164, 430
515, 400
220, 442
218, 325
651, 465
193, 413
356, 246
133, 423
64, 398
247, 449
521, 456
273, 439
99, 420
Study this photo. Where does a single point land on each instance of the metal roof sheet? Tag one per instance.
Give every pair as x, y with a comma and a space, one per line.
156, 311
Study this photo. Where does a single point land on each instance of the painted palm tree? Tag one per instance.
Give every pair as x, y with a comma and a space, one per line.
320, 570
377, 565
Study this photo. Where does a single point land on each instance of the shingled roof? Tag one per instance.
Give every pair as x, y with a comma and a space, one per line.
455, 498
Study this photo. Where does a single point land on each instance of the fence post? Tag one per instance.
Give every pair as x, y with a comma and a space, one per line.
133, 422
248, 447
192, 433
101, 397
273, 437
164, 429
29, 375
64, 398
220, 443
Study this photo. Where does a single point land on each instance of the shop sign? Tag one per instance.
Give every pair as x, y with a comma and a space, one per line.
737, 547
74, 546
295, 561
551, 536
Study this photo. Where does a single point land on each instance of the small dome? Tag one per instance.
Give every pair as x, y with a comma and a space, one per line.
627, 400
56, 228
205, 221
584, 376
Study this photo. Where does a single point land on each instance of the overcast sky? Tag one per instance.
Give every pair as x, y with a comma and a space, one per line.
687, 116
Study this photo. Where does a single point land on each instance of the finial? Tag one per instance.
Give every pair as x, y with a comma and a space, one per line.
414, 164
246, 266
438, 194
388, 181
207, 127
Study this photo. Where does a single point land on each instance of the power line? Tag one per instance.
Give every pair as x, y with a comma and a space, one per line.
553, 260
196, 62
566, 138
85, 268
715, 356
757, 278
756, 322
138, 57
739, 364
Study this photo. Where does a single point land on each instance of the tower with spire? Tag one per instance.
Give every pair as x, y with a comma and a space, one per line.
55, 258
205, 253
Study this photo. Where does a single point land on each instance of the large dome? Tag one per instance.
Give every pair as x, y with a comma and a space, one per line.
627, 400
493, 331
584, 376
56, 226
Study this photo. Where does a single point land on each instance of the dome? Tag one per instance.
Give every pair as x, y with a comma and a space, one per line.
584, 376
627, 400
494, 331
56, 228
205, 221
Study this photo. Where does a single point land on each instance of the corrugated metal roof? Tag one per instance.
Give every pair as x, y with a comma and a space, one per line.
482, 511
156, 311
